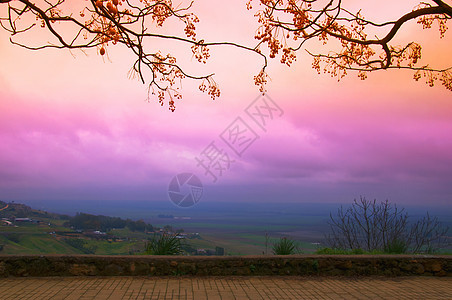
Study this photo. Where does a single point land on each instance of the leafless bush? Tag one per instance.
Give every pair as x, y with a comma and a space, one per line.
382, 226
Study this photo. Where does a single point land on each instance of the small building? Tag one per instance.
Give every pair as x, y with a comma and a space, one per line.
201, 251
22, 220
6, 223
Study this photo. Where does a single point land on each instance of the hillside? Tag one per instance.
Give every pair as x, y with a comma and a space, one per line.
25, 230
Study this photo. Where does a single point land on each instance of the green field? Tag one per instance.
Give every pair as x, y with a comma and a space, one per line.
238, 237
245, 235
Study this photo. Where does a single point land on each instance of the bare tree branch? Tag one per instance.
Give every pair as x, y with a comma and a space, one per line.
369, 225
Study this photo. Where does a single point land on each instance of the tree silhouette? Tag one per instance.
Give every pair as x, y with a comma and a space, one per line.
370, 225
349, 40
102, 24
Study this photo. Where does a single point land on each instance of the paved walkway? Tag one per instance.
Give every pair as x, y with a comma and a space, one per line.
199, 288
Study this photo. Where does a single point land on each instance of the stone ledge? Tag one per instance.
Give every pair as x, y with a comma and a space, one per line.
300, 265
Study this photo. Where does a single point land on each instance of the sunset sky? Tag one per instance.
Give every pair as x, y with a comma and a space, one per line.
74, 127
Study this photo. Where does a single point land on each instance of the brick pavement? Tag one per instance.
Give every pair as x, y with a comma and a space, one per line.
199, 288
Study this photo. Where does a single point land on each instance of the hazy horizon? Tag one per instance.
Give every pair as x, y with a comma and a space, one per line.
150, 210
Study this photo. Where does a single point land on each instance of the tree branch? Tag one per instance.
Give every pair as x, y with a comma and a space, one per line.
103, 24
280, 22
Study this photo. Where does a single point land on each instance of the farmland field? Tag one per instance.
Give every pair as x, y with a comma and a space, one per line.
239, 228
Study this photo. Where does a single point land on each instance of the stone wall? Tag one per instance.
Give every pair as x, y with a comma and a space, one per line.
312, 265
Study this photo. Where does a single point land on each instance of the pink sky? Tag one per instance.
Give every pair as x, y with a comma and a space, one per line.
80, 124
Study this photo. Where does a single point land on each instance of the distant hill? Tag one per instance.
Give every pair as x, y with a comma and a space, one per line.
81, 221
17, 210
